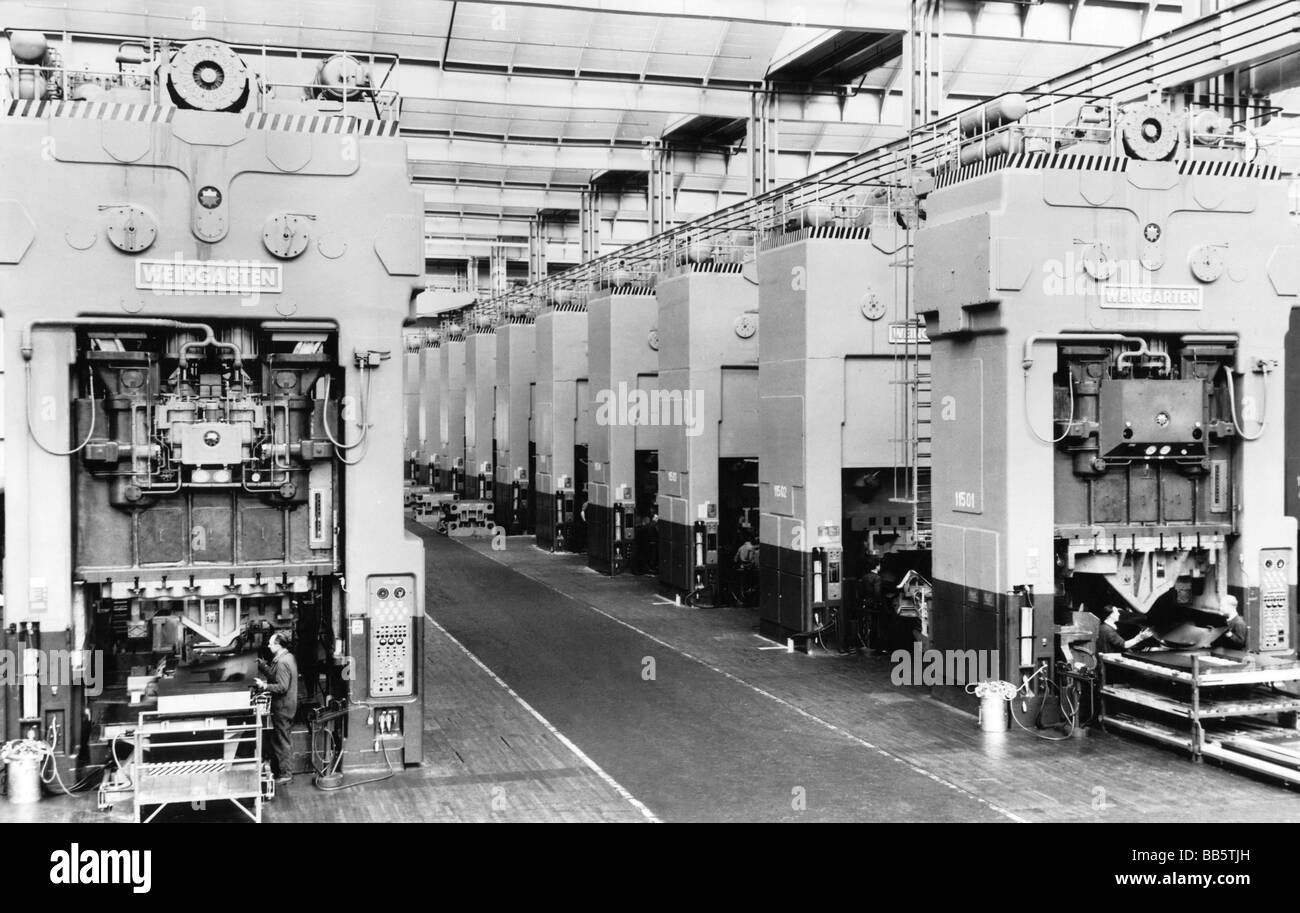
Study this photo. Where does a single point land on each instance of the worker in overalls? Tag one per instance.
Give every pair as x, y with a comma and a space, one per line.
281, 682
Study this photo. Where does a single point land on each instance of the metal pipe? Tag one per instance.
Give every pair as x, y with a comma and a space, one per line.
1210, 338
1080, 336
210, 336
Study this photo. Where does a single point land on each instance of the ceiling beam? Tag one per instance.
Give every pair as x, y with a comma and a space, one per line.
413, 29
873, 15
512, 155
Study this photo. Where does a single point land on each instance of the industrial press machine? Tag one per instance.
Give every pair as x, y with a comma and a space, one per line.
449, 472
627, 414
708, 471
1107, 290
562, 420
204, 274
480, 405
516, 465
842, 392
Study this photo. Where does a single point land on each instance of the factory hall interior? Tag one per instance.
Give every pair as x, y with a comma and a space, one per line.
643, 411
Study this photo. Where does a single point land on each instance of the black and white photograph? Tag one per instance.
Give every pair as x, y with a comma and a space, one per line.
876, 412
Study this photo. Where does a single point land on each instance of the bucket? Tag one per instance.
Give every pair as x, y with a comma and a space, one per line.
24, 777
993, 712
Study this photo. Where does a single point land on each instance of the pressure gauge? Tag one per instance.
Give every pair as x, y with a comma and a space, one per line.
1098, 261
746, 326
286, 235
872, 307
1206, 263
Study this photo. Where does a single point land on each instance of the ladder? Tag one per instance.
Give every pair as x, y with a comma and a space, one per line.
912, 382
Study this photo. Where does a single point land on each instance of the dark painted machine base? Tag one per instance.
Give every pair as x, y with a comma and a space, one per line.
554, 535
967, 618
59, 706
676, 557
786, 606
516, 522
546, 521
600, 540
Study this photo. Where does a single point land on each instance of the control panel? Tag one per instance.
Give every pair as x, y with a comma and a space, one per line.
391, 604
706, 543
1270, 631
834, 583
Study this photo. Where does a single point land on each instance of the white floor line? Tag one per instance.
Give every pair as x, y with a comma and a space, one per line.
767, 694
596, 768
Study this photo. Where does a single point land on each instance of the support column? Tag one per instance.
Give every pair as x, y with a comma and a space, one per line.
762, 141
659, 192
471, 275
536, 250
497, 271
589, 223
923, 60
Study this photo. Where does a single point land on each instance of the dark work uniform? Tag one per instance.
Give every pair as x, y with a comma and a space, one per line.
1235, 637
1109, 640
282, 684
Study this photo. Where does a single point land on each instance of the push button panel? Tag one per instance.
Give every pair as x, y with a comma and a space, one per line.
391, 604
1274, 600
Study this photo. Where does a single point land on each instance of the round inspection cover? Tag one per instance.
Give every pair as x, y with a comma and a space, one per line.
286, 235
872, 307
131, 229
746, 326
1098, 260
208, 76
1148, 133
1206, 262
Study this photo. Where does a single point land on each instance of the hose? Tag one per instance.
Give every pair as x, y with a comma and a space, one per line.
1008, 692
1232, 404
27, 402
1064, 434
363, 424
19, 750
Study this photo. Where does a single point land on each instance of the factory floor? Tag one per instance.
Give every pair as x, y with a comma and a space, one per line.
557, 694
732, 729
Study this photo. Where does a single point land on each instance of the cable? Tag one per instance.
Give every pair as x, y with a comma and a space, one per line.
1232, 403
1032, 430
339, 758
18, 750
32, 431
1009, 692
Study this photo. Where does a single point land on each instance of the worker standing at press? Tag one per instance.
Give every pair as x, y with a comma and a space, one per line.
281, 683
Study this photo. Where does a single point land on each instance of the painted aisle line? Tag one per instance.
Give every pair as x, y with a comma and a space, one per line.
757, 690
596, 768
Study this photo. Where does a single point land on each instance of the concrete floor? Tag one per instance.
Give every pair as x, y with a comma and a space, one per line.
763, 721
557, 694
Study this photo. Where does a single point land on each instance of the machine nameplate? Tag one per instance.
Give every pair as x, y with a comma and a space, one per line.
208, 277
1153, 297
907, 334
